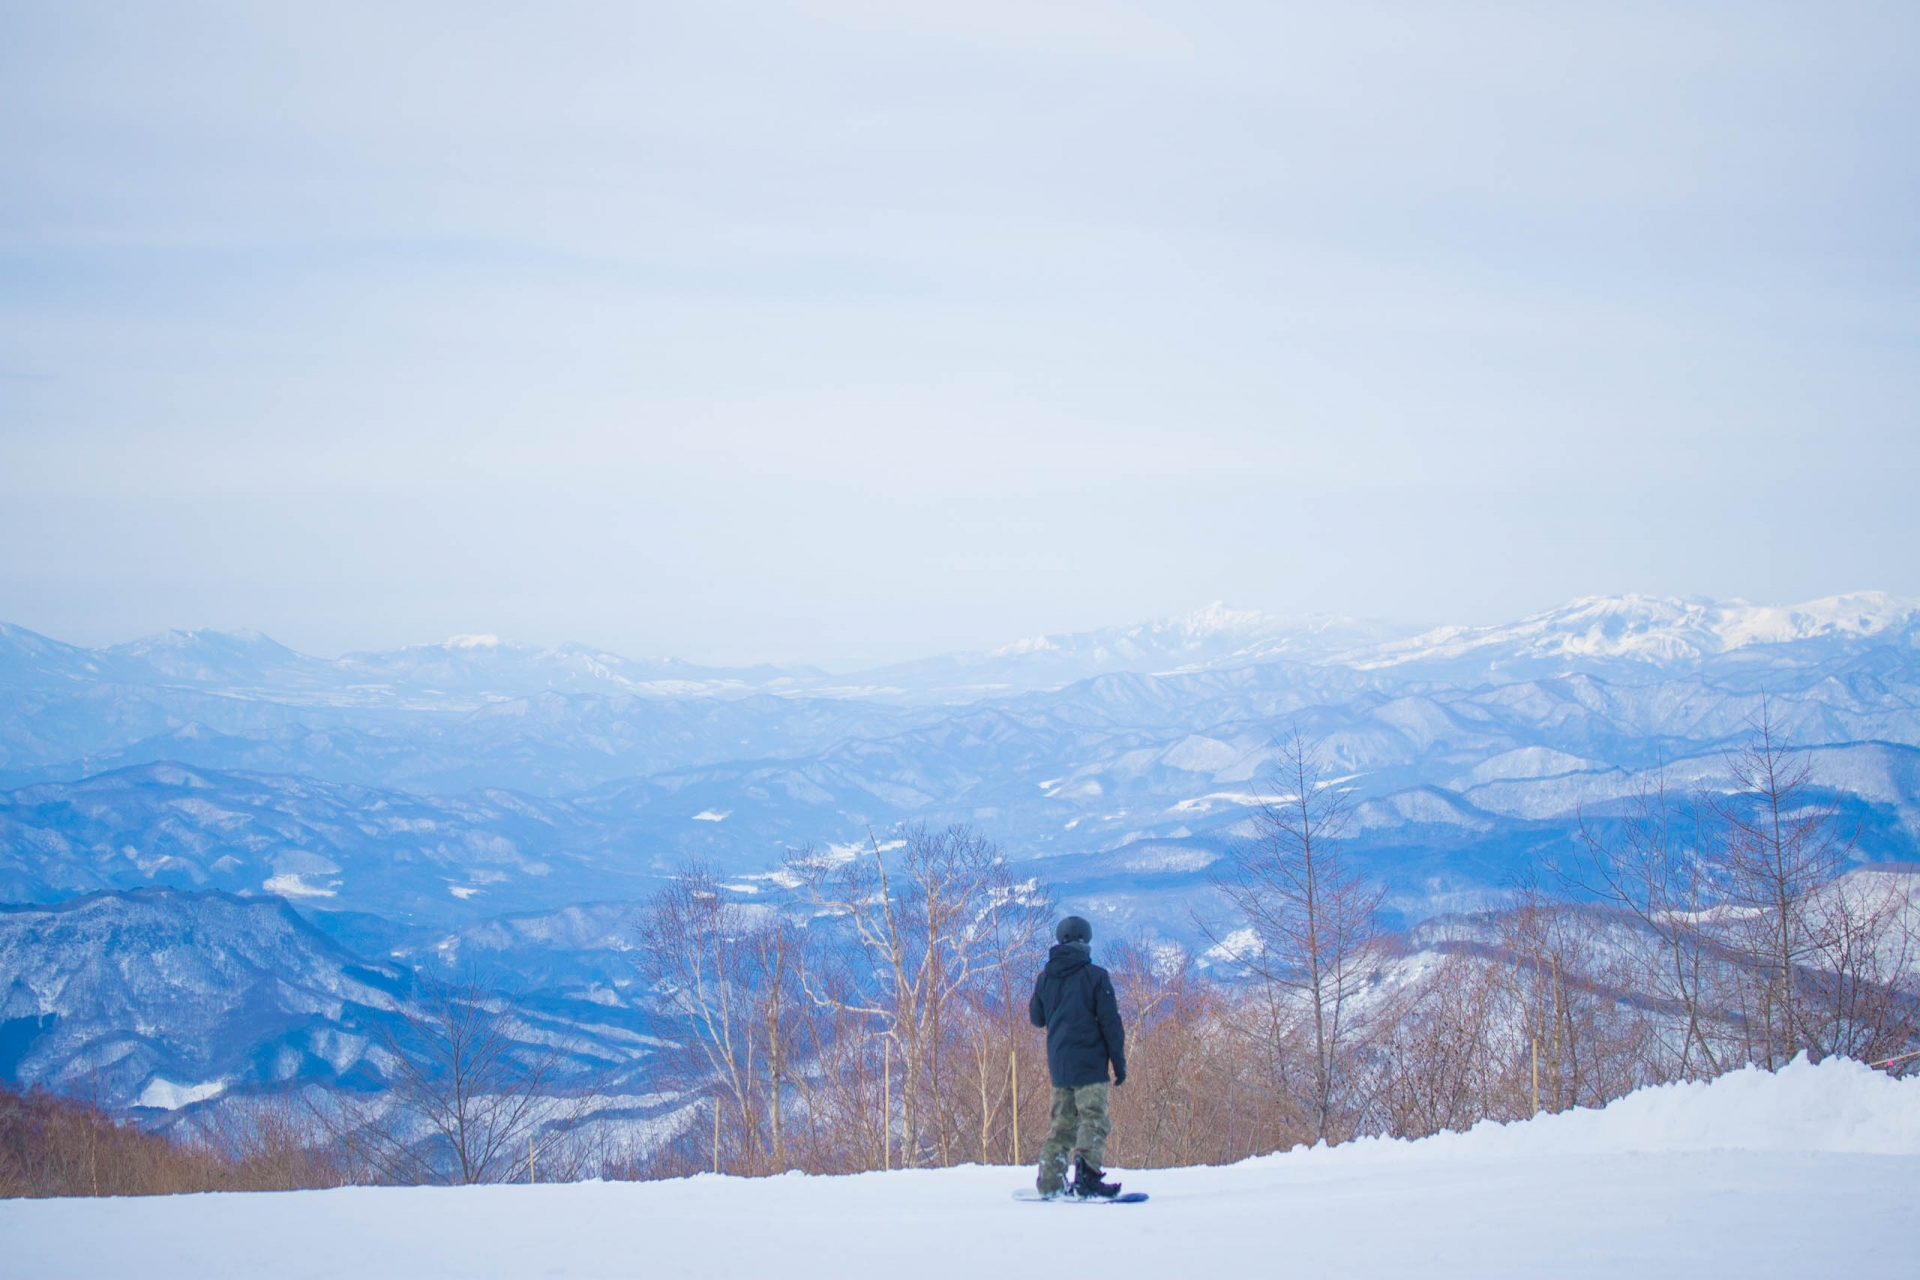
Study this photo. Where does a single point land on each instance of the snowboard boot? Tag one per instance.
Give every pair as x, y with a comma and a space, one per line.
1087, 1182
1052, 1179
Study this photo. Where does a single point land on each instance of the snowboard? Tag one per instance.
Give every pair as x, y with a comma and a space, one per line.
1131, 1197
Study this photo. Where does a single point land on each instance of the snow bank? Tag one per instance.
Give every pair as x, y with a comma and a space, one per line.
1838, 1106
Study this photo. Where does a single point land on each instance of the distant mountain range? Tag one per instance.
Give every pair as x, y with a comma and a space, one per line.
478, 797
465, 672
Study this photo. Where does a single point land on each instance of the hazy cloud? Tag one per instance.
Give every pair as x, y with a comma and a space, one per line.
858, 329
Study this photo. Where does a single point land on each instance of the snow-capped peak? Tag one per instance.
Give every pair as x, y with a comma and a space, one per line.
1211, 627
1221, 619
1858, 613
1032, 644
1652, 629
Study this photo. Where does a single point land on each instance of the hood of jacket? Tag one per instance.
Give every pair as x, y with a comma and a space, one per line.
1066, 957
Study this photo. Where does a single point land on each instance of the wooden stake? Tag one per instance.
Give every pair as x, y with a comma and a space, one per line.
716, 1133
1013, 1070
1536, 1075
530, 1178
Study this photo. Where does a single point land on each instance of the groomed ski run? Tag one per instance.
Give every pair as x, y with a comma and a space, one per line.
1809, 1172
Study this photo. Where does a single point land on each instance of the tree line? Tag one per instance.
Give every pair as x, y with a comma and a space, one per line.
876, 1017
1687, 936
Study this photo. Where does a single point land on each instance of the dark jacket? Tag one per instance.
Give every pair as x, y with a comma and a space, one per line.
1073, 1000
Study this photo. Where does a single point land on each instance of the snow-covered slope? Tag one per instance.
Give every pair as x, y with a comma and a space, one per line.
1808, 1172
159, 998
162, 999
407, 858
29, 660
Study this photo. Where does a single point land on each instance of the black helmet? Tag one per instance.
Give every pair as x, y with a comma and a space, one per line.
1073, 929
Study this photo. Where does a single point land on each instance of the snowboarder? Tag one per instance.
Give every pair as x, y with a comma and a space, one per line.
1073, 999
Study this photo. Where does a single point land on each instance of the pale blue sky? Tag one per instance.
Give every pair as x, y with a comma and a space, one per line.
841, 331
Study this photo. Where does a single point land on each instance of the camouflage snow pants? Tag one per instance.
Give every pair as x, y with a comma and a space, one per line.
1080, 1128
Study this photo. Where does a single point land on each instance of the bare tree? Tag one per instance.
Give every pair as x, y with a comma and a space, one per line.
1438, 1066
1315, 920
731, 974
1863, 997
1761, 943
468, 1100
1782, 848
1577, 1044
989, 1030
1209, 1078
271, 1141
948, 915
1663, 880
775, 958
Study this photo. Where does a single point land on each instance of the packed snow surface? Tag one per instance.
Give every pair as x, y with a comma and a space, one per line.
1808, 1172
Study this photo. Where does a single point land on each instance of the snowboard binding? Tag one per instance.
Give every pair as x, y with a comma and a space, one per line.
1089, 1184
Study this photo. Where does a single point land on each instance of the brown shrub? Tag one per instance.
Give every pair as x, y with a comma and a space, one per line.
55, 1146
